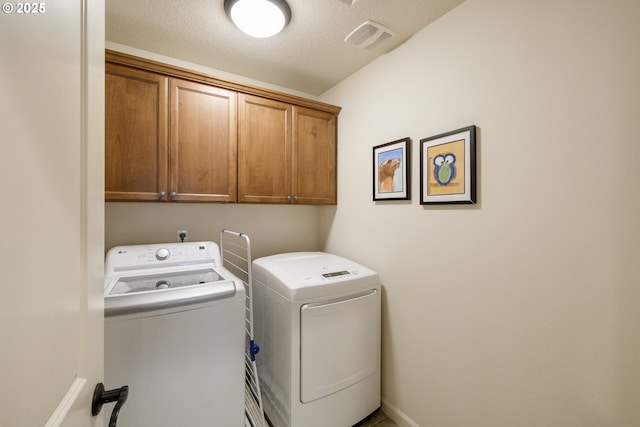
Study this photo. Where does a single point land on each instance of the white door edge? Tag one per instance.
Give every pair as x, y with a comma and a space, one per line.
66, 403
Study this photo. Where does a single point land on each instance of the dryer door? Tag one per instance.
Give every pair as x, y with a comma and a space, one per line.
339, 344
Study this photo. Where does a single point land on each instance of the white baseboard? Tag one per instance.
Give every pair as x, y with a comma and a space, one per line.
397, 415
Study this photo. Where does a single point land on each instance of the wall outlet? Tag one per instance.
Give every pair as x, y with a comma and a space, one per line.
183, 235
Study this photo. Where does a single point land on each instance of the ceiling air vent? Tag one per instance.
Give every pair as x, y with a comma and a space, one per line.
368, 34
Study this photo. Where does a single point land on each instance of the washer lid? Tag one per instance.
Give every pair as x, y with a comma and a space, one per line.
304, 275
153, 282
175, 290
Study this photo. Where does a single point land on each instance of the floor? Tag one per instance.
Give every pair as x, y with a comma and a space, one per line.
380, 419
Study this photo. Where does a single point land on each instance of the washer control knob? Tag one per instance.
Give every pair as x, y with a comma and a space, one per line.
162, 254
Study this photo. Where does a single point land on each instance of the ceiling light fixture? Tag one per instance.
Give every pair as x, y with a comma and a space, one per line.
259, 18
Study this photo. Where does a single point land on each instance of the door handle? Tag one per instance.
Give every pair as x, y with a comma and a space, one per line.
100, 397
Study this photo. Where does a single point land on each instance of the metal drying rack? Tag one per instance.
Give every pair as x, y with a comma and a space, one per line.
235, 249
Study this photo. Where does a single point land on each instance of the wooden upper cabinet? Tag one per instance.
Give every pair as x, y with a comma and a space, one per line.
173, 134
264, 150
286, 154
314, 156
135, 134
153, 151
202, 155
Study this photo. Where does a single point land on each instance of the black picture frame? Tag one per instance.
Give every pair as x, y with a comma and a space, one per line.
391, 170
448, 168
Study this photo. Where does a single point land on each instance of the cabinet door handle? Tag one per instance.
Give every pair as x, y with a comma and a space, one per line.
161, 195
295, 198
288, 198
100, 397
173, 194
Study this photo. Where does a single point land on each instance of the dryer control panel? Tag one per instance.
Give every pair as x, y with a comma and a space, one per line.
330, 275
336, 274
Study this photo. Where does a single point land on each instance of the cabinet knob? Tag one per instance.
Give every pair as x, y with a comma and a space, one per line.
173, 194
288, 198
295, 198
161, 195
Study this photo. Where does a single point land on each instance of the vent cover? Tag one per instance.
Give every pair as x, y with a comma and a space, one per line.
368, 34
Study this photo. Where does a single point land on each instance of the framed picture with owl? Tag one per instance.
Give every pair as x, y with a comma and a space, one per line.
391, 173
448, 167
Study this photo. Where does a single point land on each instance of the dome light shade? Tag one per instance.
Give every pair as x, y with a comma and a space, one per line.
259, 18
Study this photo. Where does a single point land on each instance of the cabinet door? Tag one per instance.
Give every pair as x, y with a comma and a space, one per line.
135, 134
264, 150
314, 156
202, 157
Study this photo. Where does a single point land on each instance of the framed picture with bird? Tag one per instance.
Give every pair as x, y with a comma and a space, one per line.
391, 174
448, 167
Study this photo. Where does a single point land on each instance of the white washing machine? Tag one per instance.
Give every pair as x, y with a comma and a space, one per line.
174, 333
317, 320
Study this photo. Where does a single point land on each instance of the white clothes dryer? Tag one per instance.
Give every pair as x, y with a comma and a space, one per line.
317, 320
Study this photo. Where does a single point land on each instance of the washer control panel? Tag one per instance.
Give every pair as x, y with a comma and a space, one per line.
123, 258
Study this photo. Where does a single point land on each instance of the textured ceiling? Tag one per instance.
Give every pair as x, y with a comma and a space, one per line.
310, 55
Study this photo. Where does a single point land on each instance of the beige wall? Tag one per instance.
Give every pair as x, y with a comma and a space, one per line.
522, 310
272, 229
